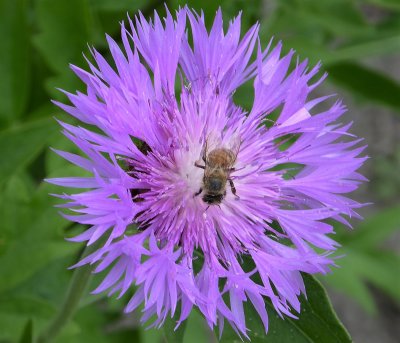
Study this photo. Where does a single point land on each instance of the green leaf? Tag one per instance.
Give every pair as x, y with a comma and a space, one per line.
38, 298
26, 256
120, 5
15, 311
338, 17
317, 321
372, 46
14, 207
27, 335
109, 14
366, 82
55, 165
65, 28
151, 336
347, 282
172, 335
15, 59
359, 267
19, 146
375, 229
197, 330
317, 50
331, 31
366, 262
77, 288
50, 282
97, 326
383, 272
208, 7
229, 8
36, 238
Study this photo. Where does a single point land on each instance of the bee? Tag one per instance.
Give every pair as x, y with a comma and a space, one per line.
219, 162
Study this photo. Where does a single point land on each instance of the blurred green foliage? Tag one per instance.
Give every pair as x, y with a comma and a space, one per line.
41, 37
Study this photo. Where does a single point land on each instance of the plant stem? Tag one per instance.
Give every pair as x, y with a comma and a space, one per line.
77, 287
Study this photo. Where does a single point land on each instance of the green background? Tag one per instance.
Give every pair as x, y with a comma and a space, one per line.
358, 43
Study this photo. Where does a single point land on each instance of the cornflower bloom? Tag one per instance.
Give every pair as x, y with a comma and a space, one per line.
186, 185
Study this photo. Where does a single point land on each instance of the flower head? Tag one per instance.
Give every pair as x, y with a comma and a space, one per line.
200, 182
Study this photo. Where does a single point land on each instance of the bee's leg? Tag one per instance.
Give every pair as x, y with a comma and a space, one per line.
199, 165
233, 189
230, 170
198, 193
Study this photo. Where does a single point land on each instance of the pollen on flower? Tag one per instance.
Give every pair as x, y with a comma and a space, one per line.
189, 249
185, 161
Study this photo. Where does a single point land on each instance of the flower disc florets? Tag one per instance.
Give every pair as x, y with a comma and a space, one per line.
164, 107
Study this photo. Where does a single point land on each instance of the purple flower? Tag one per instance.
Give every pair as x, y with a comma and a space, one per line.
198, 180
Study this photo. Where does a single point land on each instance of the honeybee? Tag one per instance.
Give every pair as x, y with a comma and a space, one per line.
219, 162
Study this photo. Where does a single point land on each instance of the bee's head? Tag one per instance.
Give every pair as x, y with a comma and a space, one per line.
212, 199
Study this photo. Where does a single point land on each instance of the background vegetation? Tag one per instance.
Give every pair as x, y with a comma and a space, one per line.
359, 45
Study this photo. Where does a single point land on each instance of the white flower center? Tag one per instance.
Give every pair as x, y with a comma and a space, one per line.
192, 175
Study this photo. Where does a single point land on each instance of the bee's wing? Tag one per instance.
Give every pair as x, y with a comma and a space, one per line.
213, 141
234, 145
